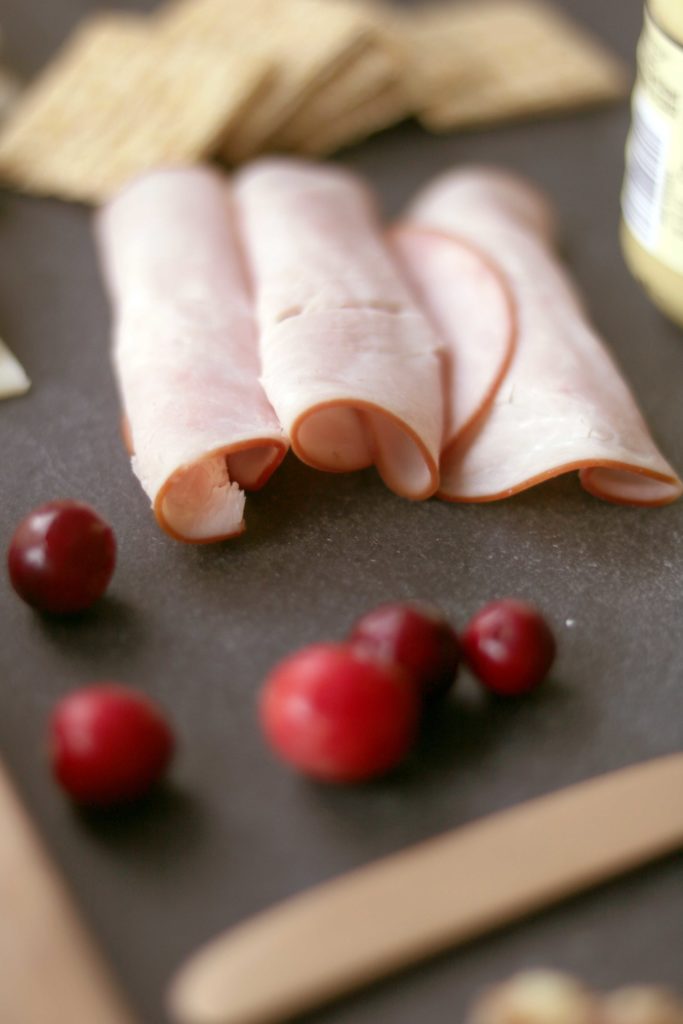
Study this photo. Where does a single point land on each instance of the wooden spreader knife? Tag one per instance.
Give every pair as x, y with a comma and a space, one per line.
50, 970
362, 926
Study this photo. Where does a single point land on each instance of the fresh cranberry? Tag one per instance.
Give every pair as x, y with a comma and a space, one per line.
509, 646
108, 744
338, 716
62, 557
417, 637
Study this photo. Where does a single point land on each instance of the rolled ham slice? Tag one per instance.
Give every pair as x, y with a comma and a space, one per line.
562, 405
351, 364
185, 351
469, 303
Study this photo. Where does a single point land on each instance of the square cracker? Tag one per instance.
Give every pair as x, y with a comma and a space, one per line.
484, 61
378, 72
117, 101
375, 113
308, 42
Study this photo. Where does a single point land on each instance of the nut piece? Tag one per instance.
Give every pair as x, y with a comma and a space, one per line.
641, 1005
537, 997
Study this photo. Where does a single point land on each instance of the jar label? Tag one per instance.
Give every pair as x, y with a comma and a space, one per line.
652, 198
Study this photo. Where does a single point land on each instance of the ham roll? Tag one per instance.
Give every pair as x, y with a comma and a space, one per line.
562, 404
351, 364
185, 351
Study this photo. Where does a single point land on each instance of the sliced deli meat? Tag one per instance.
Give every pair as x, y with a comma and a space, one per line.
562, 404
470, 304
351, 363
185, 351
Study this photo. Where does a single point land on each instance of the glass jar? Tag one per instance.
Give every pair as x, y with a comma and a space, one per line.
652, 197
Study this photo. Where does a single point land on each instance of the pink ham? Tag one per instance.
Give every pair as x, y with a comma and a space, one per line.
470, 304
350, 363
562, 404
185, 351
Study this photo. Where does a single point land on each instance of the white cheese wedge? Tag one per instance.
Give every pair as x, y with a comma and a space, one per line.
13, 380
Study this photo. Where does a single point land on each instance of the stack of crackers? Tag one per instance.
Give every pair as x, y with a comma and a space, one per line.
236, 78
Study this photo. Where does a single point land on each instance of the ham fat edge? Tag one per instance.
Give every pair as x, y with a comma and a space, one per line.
185, 351
470, 305
562, 403
351, 363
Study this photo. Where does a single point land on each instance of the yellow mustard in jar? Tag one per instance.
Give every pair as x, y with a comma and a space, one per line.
652, 197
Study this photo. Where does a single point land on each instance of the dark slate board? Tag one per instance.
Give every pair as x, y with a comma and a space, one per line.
198, 628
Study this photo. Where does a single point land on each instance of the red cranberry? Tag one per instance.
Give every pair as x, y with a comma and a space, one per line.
108, 744
62, 557
417, 637
338, 716
509, 646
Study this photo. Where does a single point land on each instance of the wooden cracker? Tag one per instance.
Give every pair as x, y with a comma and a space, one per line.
374, 73
484, 61
117, 101
308, 42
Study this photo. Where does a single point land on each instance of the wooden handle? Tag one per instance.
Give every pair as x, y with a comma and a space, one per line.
50, 971
449, 890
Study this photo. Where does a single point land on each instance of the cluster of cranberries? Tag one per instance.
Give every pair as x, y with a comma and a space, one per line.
338, 712
108, 743
349, 712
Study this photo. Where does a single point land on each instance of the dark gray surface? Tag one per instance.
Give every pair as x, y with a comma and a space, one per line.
198, 628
